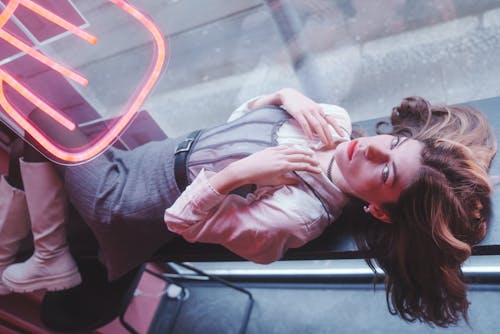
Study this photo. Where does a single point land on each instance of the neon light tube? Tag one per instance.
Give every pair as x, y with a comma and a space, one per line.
87, 151
8, 11
21, 89
16, 116
42, 58
59, 21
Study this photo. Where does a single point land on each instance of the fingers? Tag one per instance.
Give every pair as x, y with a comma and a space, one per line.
287, 180
303, 163
315, 121
304, 124
296, 159
319, 124
331, 120
293, 150
326, 137
304, 167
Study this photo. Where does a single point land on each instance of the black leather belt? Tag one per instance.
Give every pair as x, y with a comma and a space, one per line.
181, 152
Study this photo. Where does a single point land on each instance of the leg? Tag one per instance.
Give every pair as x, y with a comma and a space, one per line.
121, 195
14, 177
14, 219
51, 266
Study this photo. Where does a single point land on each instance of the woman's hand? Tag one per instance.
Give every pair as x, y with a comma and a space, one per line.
266, 167
308, 113
269, 166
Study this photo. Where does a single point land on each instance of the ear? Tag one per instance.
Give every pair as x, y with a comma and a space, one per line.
379, 213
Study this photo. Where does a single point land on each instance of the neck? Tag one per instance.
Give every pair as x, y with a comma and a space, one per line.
337, 178
329, 169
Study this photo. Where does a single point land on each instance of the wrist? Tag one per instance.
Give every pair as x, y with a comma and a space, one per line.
228, 179
282, 94
266, 100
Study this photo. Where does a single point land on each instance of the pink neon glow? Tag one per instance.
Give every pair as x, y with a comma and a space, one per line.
61, 119
118, 127
59, 21
26, 125
42, 58
8, 11
108, 137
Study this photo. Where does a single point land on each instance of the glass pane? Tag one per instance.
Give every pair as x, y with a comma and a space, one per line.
363, 55
75, 98
68, 64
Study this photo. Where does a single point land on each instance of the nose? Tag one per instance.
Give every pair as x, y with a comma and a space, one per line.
376, 154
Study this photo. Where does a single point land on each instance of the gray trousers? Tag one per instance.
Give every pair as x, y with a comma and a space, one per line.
122, 196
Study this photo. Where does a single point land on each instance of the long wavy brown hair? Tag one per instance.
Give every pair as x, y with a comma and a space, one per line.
439, 217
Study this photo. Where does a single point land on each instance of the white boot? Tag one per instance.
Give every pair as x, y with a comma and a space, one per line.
51, 267
14, 225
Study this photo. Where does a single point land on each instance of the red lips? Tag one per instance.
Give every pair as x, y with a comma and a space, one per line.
350, 149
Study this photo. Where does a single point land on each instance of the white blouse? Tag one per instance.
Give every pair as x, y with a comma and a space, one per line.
262, 226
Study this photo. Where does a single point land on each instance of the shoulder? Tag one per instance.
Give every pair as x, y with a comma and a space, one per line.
242, 109
334, 109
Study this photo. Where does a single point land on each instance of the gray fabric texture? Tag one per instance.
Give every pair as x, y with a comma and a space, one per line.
122, 196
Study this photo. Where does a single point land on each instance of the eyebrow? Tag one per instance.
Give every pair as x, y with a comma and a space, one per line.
395, 177
394, 170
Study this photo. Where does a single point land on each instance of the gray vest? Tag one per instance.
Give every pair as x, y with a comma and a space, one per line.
217, 147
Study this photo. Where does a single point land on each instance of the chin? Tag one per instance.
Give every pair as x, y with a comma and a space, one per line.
341, 155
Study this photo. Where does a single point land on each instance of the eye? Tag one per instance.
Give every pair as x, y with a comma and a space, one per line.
385, 173
395, 142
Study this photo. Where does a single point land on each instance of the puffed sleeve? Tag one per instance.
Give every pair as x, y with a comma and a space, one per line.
242, 109
260, 227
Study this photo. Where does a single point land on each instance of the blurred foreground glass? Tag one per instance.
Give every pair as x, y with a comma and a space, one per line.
41, 72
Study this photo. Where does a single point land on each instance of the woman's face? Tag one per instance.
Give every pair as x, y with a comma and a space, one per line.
376, 169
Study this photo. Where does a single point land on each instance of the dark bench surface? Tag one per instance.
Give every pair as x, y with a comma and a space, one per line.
337, 241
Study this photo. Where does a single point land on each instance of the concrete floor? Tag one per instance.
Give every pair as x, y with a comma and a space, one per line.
363, 55
279, 307
345, 309
367, 63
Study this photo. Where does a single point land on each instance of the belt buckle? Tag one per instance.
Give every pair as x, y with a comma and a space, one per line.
184, 146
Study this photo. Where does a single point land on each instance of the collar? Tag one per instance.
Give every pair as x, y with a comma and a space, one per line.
330, 194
